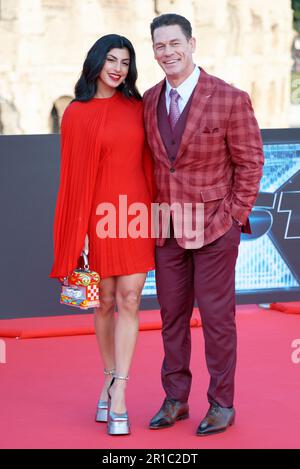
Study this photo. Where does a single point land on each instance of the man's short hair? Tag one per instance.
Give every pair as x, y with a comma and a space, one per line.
171, 19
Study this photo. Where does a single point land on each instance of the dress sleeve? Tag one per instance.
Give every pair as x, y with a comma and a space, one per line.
81, 136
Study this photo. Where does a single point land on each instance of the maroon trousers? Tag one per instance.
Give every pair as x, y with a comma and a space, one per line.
208, 274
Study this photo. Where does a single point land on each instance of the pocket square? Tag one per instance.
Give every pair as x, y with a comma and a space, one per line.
207, 130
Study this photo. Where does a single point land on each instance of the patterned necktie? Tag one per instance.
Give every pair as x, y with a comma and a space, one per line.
174, 113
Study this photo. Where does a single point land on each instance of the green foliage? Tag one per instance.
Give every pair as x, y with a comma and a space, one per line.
296, 19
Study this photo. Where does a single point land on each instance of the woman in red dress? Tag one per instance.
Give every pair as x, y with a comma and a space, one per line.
103, 207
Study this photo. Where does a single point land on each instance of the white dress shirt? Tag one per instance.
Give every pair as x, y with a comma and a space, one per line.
185, 90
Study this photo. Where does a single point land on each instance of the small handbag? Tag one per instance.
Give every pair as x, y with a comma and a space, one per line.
81, 287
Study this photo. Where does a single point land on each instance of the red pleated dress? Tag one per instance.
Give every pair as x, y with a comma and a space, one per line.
106, 189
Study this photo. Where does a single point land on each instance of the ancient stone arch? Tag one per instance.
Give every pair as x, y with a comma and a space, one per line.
57, 111
9, 118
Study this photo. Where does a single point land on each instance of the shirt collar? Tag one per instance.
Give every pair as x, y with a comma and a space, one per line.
185, 89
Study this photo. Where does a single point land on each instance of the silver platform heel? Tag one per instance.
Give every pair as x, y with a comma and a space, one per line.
102, 407
117, 424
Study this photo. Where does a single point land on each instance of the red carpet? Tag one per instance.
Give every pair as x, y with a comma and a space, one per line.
75, 324
288, 308
49, 389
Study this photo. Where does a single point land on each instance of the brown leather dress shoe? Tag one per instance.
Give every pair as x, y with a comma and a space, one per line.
171, 411
217, 420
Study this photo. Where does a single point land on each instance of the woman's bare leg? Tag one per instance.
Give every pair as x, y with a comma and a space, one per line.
128, 295
104, 328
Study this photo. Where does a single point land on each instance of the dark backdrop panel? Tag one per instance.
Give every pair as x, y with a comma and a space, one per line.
29, 177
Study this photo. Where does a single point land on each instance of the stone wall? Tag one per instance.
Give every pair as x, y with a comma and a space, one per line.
43, 44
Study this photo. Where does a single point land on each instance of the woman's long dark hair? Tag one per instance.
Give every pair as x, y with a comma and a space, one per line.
86, 86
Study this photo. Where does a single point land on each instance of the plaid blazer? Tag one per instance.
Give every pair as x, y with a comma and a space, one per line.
218, 165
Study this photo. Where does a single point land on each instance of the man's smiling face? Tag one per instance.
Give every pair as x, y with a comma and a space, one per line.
174, 52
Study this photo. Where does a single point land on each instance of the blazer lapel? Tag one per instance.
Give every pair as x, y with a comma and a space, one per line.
152, 116
202, 93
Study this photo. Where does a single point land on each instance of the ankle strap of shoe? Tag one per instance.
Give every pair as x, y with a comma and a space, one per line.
124, 378
109, 372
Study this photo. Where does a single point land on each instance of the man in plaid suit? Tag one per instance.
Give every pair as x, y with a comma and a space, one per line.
208, 155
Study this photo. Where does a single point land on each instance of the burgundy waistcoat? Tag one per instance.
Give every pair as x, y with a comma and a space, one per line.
171, 139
